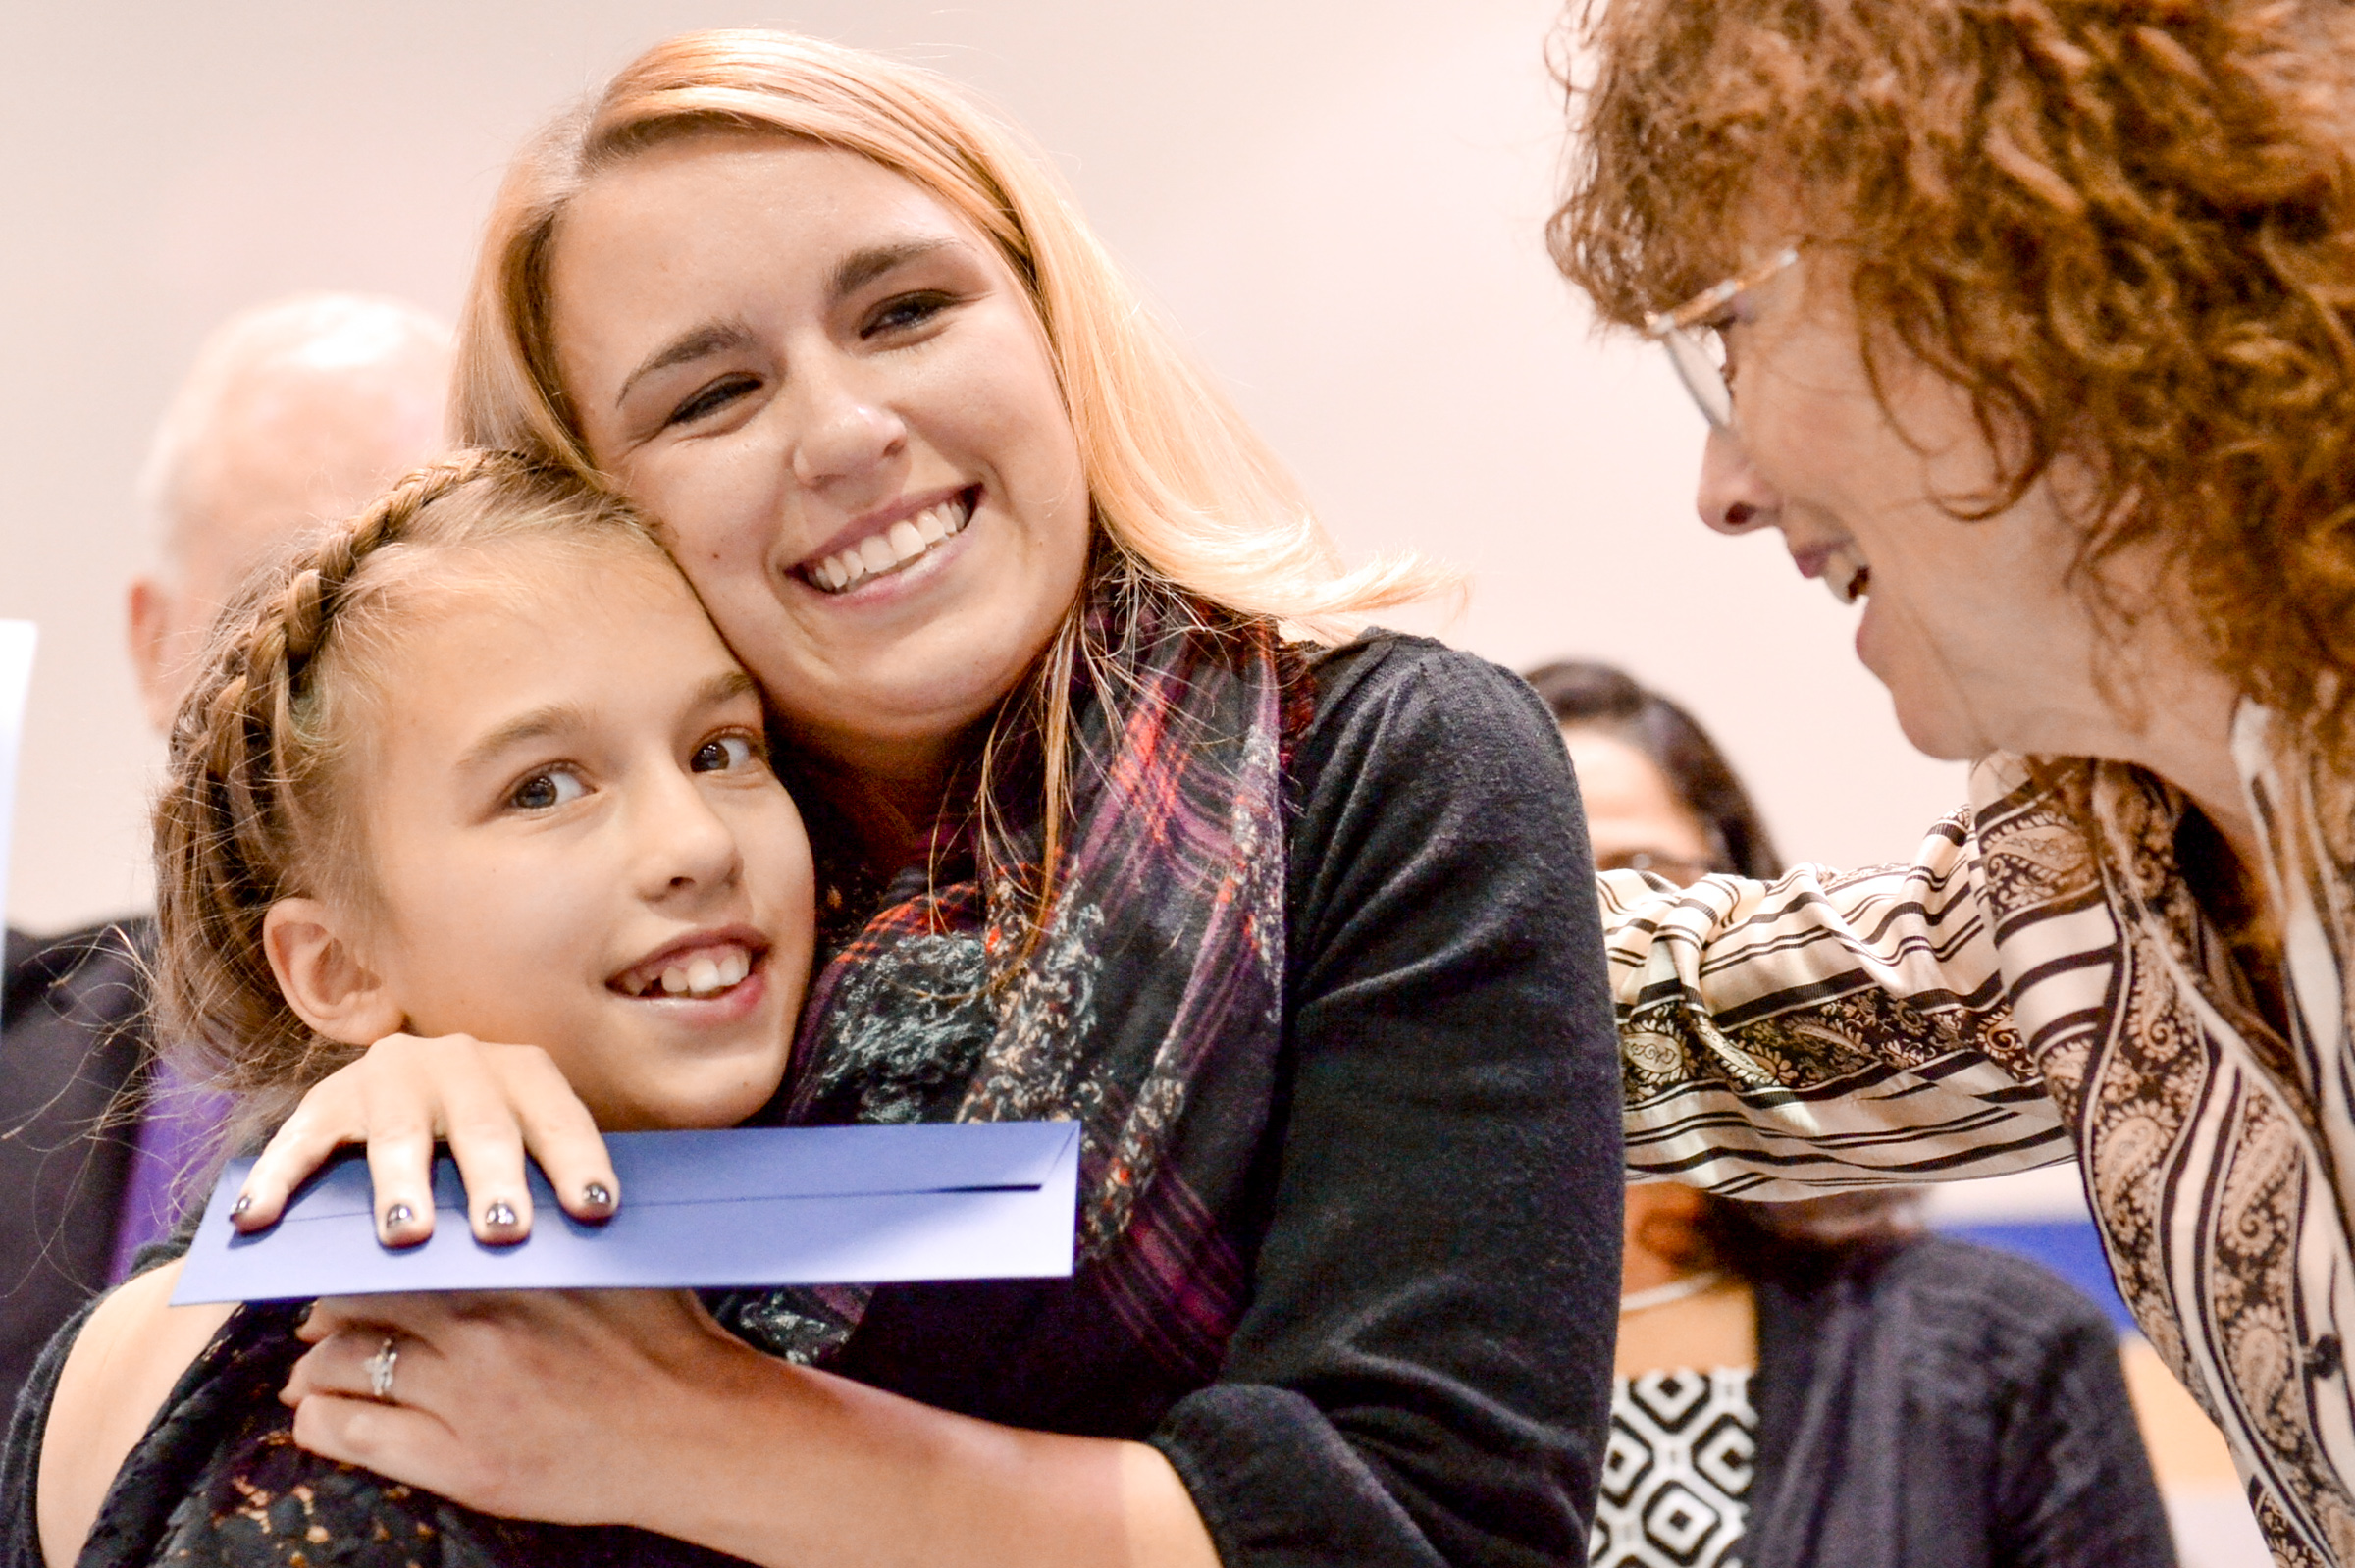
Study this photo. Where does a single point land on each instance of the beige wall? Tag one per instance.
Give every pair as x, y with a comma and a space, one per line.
1339, 199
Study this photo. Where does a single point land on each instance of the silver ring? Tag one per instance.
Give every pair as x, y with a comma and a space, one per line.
380, 1368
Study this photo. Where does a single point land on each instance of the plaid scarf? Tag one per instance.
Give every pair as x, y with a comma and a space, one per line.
1163, 944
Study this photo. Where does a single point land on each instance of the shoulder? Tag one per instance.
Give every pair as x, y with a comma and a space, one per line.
1396, 687
1415, 725
128, 1356
2009, 1318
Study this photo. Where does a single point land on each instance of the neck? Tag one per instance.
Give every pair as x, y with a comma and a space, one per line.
891, 791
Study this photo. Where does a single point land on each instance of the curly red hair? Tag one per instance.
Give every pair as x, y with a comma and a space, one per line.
2125, 228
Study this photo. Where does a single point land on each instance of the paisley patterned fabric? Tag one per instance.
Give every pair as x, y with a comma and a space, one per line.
2041, 982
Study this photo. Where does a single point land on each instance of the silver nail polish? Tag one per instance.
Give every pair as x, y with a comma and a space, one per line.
596, 1195
398, 1214
239, 1207
498, 1216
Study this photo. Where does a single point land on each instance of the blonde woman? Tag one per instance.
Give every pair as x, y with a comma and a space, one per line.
2029, 328
1297, 924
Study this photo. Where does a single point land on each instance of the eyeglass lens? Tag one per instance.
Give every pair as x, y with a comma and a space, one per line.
1698, 355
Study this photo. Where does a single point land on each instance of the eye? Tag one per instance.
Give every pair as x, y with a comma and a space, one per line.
904, 311
723, 754
547, 789
710, 399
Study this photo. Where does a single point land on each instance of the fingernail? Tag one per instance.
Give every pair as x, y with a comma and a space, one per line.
595, 1195
498, 1216
239, 1207
398, 1214
302, 1314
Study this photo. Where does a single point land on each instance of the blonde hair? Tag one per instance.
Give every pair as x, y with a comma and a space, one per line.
255, 804
1180, 485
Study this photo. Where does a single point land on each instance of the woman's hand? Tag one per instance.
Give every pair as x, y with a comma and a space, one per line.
633, 1407
539, 1405
494, 1103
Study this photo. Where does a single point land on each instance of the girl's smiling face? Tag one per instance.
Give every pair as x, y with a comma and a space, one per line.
837, 397
571, 837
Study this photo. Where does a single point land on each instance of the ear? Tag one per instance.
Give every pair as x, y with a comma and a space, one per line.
155, 655
325, 976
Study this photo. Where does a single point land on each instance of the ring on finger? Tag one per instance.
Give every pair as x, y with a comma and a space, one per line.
380, 1368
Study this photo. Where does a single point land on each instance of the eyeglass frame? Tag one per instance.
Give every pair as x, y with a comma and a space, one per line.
1690, 337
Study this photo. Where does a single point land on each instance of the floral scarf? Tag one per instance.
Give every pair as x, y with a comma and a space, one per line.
1164, 943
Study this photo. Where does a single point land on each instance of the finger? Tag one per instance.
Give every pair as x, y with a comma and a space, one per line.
396, 1442
362, 1359
561, 1133
486, 1139
324, 1121
401, 1107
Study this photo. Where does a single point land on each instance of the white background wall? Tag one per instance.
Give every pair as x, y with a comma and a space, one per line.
1339, 200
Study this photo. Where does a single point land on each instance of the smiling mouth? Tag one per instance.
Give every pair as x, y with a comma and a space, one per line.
893, 548
697, 973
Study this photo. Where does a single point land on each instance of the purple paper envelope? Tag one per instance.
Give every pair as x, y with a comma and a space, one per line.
746, 1206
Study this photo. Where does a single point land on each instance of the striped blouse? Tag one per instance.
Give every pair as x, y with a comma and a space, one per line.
2039, 983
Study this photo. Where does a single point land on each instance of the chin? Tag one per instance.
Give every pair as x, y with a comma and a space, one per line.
1936, 732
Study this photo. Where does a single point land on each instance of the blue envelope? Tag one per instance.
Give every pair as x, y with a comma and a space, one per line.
744, 1206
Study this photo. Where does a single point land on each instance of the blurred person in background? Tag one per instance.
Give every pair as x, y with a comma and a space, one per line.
1819, 1382
295, 412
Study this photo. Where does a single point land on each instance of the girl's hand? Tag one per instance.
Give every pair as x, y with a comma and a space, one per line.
494, 1103
511, 1402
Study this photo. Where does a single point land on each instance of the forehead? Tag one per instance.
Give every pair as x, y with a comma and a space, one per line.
771, 212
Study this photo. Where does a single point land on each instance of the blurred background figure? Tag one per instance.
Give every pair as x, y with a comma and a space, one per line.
293, 412
1824, 1383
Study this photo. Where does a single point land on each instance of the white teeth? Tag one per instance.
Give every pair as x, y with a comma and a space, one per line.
898, 544
1846, 575
703, 974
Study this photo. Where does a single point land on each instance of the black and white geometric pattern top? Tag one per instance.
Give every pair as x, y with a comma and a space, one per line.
1676, 1475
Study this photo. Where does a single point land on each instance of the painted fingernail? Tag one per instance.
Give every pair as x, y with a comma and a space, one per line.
302, 1314
398, 1214
596, 1195
498, 1216
239, 1207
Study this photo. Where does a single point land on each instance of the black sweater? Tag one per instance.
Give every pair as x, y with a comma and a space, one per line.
1431, 1222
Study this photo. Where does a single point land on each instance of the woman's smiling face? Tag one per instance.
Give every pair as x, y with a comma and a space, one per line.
837, 398
1974, 626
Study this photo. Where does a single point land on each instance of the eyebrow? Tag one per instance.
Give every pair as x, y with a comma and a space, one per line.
854, 271
558, 717
699, 344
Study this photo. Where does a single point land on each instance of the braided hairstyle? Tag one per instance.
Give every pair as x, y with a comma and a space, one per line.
255, 808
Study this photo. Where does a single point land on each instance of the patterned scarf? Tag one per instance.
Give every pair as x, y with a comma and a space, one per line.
1163, 943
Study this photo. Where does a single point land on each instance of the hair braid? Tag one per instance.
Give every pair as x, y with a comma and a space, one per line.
248, 814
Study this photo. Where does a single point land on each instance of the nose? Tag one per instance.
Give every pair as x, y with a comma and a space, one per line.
1734, 496
843, 432
685, 851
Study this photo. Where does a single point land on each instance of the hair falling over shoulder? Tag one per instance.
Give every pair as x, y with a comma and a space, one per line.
2125, 228
258, 802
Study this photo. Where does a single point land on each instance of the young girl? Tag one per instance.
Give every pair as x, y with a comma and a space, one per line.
475, 763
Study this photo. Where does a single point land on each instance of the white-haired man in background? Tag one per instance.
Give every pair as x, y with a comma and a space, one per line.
295, 413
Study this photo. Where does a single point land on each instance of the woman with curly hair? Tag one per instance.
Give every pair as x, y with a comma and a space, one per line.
2031, 328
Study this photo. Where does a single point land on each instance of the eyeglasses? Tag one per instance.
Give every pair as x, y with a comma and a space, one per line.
1695, 346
